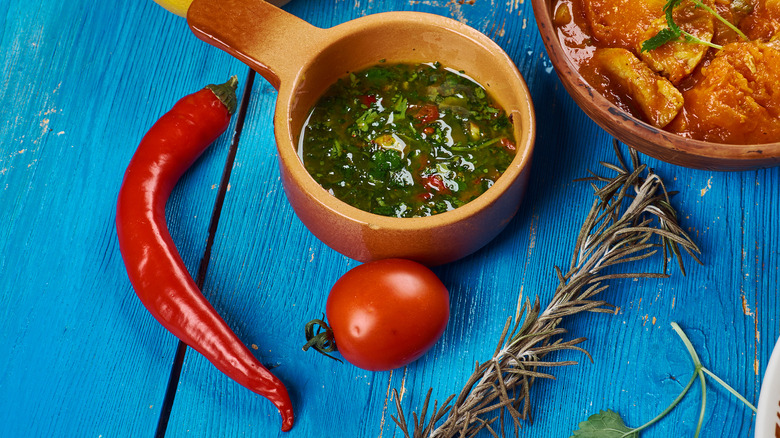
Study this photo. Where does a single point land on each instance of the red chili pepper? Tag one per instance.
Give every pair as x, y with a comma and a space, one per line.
155, 268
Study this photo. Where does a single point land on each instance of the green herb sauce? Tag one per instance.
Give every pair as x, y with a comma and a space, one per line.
407, 140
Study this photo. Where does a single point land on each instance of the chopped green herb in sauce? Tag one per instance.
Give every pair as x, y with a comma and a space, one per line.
407, 140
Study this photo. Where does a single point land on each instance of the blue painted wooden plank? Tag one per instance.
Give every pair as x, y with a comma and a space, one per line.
81, 84
707, 301
269, 276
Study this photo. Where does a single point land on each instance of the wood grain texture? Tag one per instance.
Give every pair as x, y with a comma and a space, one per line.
81, 357
81, 84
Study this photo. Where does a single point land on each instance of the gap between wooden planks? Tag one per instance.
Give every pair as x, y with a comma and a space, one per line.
181, 348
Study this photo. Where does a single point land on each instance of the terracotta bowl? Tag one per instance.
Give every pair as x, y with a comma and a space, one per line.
643, 137
301, 61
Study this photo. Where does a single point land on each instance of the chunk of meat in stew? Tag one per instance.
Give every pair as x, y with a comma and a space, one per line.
647, 92
763, 20
677, 60
621, 23
737, 99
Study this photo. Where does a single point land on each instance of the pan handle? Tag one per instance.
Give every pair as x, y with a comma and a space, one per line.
271, 41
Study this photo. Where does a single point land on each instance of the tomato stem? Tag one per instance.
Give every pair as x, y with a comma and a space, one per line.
319, 336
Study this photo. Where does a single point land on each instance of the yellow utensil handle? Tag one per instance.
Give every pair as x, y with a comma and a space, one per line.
178, 7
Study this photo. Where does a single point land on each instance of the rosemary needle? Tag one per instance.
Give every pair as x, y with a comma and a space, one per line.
620, 227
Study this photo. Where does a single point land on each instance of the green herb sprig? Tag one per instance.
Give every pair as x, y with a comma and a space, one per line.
630, 220
673, 32
608, 424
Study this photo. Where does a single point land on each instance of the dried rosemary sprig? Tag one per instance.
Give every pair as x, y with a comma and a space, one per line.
620, 227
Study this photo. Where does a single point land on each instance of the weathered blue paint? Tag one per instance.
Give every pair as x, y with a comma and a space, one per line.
80, 356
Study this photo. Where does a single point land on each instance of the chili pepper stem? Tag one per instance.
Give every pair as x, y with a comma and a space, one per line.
226, 93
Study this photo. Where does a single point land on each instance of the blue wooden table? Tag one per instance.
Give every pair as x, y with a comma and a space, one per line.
80, 356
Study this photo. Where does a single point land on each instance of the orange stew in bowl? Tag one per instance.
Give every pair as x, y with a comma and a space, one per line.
715, 75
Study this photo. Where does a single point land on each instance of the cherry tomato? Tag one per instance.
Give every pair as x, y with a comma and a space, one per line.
387, 313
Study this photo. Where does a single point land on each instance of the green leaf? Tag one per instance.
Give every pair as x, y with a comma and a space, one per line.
605, 424
401, 104
366, 119
668, 10
663, 36
673, 31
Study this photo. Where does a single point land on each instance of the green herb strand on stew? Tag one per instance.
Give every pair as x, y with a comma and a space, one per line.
407, 140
